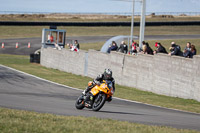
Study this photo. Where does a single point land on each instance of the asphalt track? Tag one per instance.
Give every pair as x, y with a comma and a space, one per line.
36, 42
25, 92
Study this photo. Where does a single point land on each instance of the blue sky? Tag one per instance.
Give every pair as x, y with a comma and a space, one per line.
99, 6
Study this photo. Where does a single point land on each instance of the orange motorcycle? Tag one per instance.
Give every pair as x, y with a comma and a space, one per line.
96, 97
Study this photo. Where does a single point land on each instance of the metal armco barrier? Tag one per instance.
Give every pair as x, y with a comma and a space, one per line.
91, 24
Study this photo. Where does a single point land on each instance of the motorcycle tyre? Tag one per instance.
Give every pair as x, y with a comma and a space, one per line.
103, 100
79, 105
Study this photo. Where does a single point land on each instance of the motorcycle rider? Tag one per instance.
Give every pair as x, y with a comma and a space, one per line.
107, 75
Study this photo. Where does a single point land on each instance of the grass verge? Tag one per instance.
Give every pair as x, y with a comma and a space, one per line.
15, 121
22, 63
96, 46
36, 31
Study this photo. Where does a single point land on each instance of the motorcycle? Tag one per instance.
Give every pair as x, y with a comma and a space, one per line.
96, 97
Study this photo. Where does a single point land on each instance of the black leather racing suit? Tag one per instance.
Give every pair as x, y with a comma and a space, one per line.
98, 80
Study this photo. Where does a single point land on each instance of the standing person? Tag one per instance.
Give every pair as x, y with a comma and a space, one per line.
160, 48
123, 48
50, 38
113, 47
77, 44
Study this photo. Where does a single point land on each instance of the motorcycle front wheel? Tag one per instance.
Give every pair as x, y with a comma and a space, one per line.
80, 103
99, 102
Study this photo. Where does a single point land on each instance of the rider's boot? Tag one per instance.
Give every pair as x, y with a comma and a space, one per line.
109, 99
86, 91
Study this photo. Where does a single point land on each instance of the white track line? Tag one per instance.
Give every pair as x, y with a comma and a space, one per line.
82, 90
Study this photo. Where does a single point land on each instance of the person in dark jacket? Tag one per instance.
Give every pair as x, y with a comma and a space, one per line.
147, 49
193, 51
187, 51
77, 44
123, 48
160, 48
113, 47
107, 75
175, 49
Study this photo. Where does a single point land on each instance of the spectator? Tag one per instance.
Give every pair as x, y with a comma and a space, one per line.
50, 38
77, 44
56, 46
72, 47
113, 47
193, 51
138, 48
134, 48
123, 48
160, 48
175, 49
148, 49
187, 51
133, 44
144, 49
143, 42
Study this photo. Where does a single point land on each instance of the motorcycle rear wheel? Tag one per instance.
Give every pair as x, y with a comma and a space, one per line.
98, 103
80, 103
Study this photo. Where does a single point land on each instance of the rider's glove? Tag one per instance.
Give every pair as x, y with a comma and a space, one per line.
97, 82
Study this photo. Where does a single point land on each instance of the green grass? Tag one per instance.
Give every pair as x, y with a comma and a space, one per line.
36, 31
15, 121
95, 46
77, 81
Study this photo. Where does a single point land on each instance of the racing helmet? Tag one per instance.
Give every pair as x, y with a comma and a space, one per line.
107, 74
